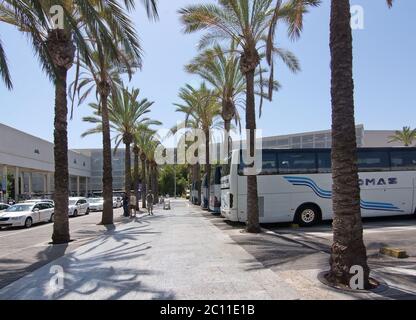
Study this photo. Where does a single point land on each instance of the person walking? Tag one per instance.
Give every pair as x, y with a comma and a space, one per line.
126, 201
133, 208
150, 200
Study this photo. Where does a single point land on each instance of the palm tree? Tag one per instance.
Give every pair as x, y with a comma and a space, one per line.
103, 75
348, 248
250, 24
220, 68
125, 114
222, 72
83, 21
406, 136
144, 140
202, 111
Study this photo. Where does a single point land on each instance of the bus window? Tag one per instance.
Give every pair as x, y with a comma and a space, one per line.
403, 160
373, 161
324, 162
297, 162
269, 166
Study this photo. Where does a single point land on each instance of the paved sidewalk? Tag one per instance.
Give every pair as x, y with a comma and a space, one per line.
177, 254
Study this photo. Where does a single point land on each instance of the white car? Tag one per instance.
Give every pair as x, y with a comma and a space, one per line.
78, 206
27, 214
96, 204
3, 207
40, 200
117, 202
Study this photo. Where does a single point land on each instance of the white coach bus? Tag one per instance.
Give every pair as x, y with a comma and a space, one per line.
296, 185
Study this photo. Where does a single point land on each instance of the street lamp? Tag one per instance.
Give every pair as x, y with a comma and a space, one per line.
174, 170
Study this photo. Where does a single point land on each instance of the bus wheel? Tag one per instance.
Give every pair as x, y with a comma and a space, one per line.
308, 215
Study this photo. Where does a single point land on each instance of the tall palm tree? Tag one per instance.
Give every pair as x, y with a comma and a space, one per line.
125, 114
250, 24
138, 133
222, 72
56, 47
103, 75
219, 67
348, 248
406, 136
144, 140
202, 111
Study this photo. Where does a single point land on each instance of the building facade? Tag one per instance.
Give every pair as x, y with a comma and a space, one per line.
27, 166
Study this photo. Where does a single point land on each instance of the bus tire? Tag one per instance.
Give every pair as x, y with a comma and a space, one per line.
308, 215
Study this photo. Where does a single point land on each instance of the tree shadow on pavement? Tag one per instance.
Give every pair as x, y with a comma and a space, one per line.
99, 270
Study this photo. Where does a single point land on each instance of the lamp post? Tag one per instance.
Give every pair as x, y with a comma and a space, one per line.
174, 170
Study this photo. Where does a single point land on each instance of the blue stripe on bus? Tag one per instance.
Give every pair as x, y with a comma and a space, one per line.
325, 194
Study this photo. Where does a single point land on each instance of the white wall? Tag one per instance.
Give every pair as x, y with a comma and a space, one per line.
19, 149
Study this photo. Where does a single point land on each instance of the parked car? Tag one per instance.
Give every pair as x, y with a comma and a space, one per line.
78, 206
4, 207
96, 204
39, 200
27, 214
117, 202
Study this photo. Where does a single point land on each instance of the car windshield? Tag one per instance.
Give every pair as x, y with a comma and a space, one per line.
20, 208
72, 202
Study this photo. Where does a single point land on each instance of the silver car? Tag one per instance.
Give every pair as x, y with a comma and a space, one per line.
96, 204
78, 206
3, 207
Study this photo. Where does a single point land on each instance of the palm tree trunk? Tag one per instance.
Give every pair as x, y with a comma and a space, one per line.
127, 173
207, 165
108, 214
144, 187
154, 183
149, 177
198, 181
62, 51
61, 224
157, 185
348, 249
136, 175
253, 222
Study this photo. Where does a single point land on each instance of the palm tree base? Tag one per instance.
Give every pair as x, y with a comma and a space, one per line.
60, 241
253, 229
373, 286
102, 223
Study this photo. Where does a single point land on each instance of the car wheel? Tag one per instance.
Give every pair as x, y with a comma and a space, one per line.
75, 213
308, 215
28, 223
52, 219
87, 212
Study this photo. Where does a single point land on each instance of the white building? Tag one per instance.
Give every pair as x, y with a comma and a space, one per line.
27, 164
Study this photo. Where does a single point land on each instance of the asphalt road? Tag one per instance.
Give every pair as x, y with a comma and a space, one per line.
25, 250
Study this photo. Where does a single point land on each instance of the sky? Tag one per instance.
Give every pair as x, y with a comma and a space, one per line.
384, 68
